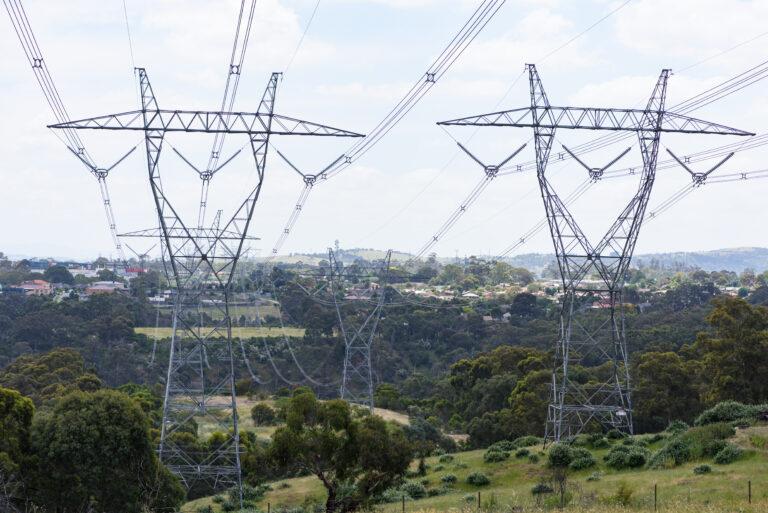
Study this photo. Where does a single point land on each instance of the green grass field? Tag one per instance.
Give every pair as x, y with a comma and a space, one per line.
679, 489
165, 332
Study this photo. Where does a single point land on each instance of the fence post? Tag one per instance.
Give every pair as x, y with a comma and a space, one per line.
478, 501
268, 507
655, 494
749, 490
403, 503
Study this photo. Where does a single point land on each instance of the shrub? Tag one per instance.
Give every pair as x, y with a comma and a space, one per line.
533, 458
228, 506
675, 452
601, 443
582, 459
727, 454
425, 482
726, 411
438, 468
205, 509
658, 437
614, 434
250, 493
478, 479
218, 499
595, 476
712, 447
263, 415
541, 489
422, 469
446, 458
676, 427
527, 441
495, 456
702, 469
413, 490
560, 455
434, 492
388, 496
504, 445
521, 453
410, 474
459, 464
757, 441
468, 498
448, 479
637, 458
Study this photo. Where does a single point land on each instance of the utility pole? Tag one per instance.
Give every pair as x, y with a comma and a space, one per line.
201, 263
593, 276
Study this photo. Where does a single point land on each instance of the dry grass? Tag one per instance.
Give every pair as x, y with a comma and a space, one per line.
252, 332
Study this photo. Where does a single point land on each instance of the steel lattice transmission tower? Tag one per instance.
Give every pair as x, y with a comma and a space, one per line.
593, 336
358, 331
200, 263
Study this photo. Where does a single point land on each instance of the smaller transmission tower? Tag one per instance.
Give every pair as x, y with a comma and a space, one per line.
593, 275
358, 329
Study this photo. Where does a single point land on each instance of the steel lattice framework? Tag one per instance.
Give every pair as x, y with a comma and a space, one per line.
200, 263
593, 335
358, 331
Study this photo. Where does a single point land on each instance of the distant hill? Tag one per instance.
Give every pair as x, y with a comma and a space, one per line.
730, 259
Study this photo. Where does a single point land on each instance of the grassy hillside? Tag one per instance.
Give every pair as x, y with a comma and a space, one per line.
679, 489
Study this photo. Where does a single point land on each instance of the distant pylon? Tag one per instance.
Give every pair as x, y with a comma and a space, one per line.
358, 330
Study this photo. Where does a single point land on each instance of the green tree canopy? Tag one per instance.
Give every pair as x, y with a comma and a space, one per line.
354, 459
94, 450
15, 420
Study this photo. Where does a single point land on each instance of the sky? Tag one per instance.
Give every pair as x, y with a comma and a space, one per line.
357, 60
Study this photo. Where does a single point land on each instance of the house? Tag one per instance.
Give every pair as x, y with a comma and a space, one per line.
470, 295
104, 287
36, 288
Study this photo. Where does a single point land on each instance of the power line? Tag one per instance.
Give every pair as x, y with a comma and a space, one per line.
474, 25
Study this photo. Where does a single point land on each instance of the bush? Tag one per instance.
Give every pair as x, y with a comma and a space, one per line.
601, 443
438, 468
413, 490
595, 476
676, 427
410, 474
675, 452
250, 493
521, 453
541, 489
726, 411
446, 458
582, 459
637, 458
504, 445
425, 482
727, 454
713, 447
468, 498
389, 496
459, 464
218, 499
614, 434
228, 506
448, 479
560, 455
658, 437
527, 441
702, 469
205, 509
263, 415
533, 458
434, 492
495, 456
478, 479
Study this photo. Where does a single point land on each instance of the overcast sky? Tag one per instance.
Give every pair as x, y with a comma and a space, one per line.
357, 60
